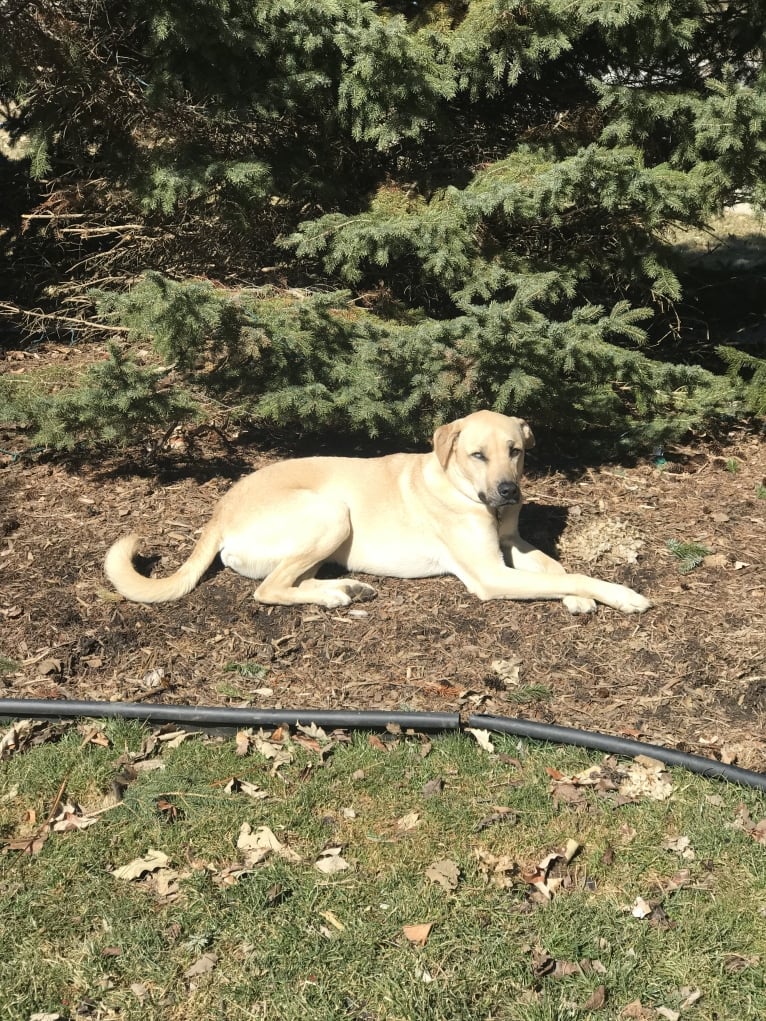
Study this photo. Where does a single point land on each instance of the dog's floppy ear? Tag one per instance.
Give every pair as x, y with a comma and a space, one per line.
529, 436
445, 438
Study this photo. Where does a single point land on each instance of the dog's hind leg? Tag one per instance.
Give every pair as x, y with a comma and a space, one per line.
318, 529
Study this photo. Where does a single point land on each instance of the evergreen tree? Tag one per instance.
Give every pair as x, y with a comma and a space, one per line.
373, 217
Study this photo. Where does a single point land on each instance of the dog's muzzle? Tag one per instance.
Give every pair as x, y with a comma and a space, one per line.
506, 494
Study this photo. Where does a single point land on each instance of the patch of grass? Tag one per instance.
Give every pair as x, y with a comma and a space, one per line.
228, 690
732, 465
8, 666
247, 669
529, 693
292, 943
760, 492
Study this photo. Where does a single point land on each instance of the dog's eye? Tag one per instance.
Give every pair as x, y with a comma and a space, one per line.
479, 455
514, 452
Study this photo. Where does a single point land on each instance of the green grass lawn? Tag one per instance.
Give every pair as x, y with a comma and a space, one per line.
235, 932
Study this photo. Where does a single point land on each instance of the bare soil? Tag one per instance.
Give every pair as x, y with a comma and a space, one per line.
690, 673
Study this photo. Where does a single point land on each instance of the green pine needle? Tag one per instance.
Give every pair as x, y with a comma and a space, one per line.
689, 554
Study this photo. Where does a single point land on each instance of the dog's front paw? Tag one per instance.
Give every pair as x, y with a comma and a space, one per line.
359, 591
629, 601
579, 604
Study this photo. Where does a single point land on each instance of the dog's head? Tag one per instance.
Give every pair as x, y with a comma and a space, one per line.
483, 454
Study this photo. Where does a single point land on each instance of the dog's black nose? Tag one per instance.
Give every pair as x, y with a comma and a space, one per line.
508, 491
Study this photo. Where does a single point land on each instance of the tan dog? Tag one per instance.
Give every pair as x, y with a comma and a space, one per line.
452, 511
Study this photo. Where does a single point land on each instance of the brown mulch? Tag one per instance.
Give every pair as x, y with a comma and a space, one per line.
690, 673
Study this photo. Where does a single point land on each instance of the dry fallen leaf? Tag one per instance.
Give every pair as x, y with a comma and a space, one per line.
202, 966
148, 765
640, 908
539, 876
680, 879
681, 845
238, 786
418, 934
261, 843
743, 821
653, 912
668, 1014
508, 670
444, 872
91, 735
635, 1011
433, 787
542, 962
596, 1000
330, 861
501, 814
14, 738
690, 995
737, 962
410, 821
482, 738
231, 874
165, 883
175, 738
137, 868
309, 743
72, 817
32, 844
312, 731
242, 743
501, 870
273, 750
647, 778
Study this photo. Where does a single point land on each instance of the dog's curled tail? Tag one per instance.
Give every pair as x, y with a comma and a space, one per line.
120, 571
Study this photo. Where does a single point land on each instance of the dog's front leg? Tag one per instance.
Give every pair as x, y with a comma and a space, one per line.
488, 578
526, 557
517, 551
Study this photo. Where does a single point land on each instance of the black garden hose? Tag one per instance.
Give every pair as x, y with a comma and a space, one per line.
221, 717
619, 746
214, 717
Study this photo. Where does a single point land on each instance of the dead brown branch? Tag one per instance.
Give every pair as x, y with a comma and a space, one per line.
7, 308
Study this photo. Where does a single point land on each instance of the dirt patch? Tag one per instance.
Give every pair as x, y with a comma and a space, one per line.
690, 673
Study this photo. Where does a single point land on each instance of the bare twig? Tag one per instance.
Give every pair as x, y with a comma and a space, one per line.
53, 216
9, 309
86, 230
